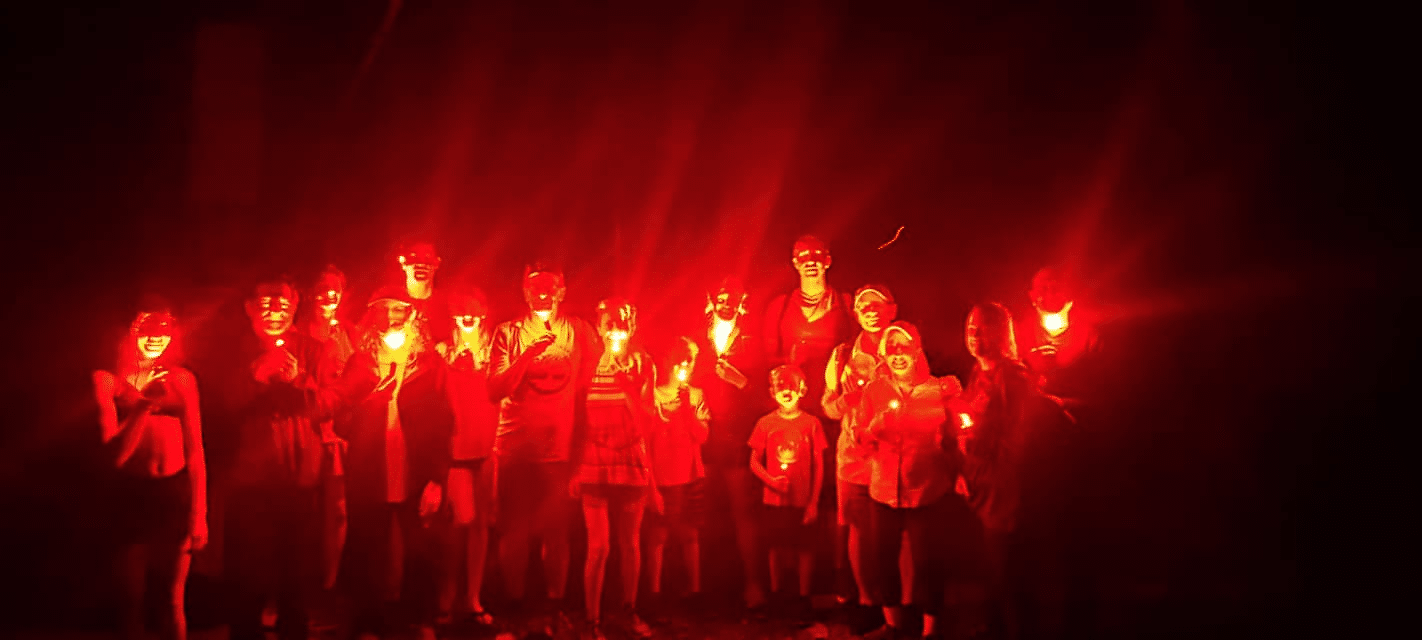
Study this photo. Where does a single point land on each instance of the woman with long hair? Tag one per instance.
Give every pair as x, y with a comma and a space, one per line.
1008, 431
613, 471
150, 422
392, 407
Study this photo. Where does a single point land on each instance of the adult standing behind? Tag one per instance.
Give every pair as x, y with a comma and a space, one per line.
730, 371
325, 325
801, 328
540, 367
149, 420
419, 262
275, 520
853, 365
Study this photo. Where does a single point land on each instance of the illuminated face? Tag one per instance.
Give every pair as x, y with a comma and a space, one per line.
543, 291
682, 371
329, 292
811, 262
900, 352
1048, 293
616, 327
787, 388
154, 332
420, 262
468, 324
397, 314
874, 312
272, 313
972, 334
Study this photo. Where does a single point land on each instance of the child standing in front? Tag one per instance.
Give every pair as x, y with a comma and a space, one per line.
787, 454
676, 441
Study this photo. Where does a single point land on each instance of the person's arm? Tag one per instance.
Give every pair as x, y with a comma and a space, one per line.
357, 383
770, 329
506, 371
130, 432
757, 467
832, 402
817, 464
196, 458
698, 417
880, 421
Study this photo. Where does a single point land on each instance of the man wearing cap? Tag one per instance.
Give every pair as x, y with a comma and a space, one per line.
540, 369
851, 367
1058, 337
275, 514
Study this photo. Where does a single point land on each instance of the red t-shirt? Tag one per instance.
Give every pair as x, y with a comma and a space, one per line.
792, 448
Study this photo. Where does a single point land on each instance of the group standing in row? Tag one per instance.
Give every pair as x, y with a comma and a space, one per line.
381, 454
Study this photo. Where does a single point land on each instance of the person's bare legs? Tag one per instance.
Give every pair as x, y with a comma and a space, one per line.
807, 571
131, 573
690, 540
595, 568
656, 551
906, 570
476, 557
741, 493
629, 547
856, 564
176, 561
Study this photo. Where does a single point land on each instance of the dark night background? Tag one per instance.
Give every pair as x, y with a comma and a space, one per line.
1196, 160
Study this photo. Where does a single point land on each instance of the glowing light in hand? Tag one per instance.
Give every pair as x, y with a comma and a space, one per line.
894, 404
721, 334
280, 342
395, 339
966, 419
619, 340
1053, 323
543, 315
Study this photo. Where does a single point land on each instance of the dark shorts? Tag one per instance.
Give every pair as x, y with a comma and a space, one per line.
685, 504
854, 502
785, 528
149, 510
533, 494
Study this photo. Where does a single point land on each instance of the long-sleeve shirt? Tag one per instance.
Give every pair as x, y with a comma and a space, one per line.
915, 461
421, 412
279, 443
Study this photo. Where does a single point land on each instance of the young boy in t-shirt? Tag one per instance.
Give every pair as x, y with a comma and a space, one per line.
788, 455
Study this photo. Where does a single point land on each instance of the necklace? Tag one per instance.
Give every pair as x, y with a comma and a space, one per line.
810, 301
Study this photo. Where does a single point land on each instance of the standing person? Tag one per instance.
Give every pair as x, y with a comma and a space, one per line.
150, 422
326, 326
801, 329
472, 472
728, 361
912, 474
395, 413
1010, 433
613, 476
851, 366
419, 262
1062, 340
540, 368
275, 521
788, 455
677, 436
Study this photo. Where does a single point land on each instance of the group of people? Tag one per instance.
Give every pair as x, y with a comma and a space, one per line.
379, 455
